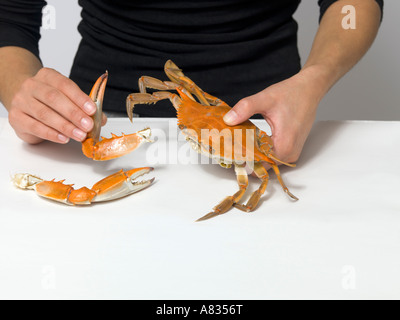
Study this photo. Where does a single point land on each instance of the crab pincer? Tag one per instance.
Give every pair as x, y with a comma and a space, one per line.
102, 149
115, 186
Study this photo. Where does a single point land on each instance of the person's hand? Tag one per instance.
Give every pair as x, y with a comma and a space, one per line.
289, 107
49, 106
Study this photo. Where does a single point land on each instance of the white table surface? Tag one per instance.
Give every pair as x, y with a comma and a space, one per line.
341, 240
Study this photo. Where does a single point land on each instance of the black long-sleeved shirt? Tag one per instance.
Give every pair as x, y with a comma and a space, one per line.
230, 48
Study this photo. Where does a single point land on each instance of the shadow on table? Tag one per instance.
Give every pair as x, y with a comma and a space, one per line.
68, 153
71, 153
321, 137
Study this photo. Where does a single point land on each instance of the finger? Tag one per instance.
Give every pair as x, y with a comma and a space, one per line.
69, 88
52, 119
56, 100
32, 128
243, 110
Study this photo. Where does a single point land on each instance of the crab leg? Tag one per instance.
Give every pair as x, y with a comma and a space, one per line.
262, 174
146, 82
278, 175
113, 187
177, 76
265, 144
116, 146
153, 83
230, 201
147, 98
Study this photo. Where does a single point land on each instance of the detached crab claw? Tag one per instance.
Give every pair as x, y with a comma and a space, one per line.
101, 149
115, 186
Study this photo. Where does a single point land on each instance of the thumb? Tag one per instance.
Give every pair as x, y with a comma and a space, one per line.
241, 112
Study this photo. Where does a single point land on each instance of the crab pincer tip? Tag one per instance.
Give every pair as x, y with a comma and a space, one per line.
104, 76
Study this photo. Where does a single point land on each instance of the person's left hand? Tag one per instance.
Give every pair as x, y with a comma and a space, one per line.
289, 107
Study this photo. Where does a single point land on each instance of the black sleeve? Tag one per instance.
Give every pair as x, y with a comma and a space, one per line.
325, 4
20, 22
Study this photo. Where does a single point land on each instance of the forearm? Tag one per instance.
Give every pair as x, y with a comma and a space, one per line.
336, 50
16, 65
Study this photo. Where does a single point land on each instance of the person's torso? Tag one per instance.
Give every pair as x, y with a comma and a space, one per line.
230, 48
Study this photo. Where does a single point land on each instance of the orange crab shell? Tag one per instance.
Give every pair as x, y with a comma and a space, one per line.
61, 192
205, 125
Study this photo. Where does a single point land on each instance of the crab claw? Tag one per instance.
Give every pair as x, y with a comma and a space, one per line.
97, 95
121, 184
115, 186
104, 149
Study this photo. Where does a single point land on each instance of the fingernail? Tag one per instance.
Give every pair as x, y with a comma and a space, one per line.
86, 123
89, 107
63, 138
79, 134
230, 117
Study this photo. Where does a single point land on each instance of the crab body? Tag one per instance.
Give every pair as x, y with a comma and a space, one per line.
205, 126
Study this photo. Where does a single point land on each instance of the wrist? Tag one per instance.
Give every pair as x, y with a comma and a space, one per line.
12, 89
319, 79
16, 65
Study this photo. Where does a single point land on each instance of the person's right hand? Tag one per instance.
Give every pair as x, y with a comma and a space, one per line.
49, 106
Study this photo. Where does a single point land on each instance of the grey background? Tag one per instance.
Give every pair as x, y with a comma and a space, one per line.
369, 92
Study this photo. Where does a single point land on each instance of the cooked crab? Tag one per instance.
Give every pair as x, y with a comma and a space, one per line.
200, 118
